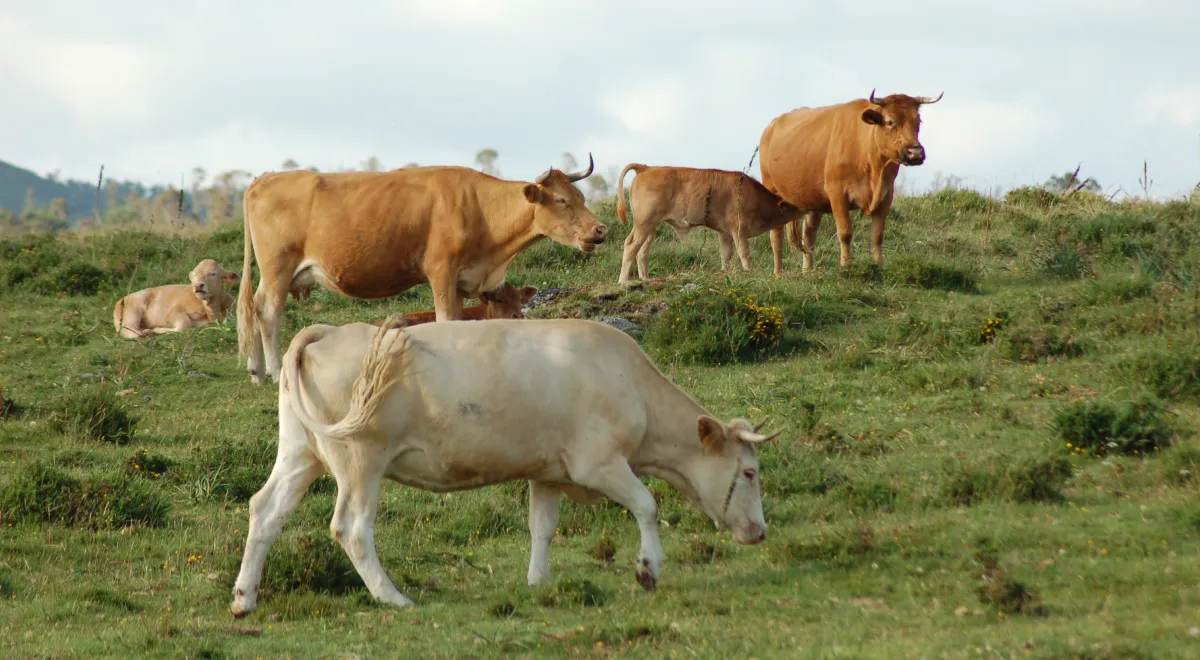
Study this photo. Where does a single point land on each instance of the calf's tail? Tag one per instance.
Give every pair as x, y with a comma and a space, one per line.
118, 313
387, 350
638, 168
246, 311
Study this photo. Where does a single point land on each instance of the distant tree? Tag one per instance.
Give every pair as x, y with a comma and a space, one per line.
58, 207
407, 165
486, 161
1061, 182
569, 164
290, 164
53, 176
30, 200
372, 164
597, 186
198, 178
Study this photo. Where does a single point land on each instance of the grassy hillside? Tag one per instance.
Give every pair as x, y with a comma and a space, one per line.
989, 450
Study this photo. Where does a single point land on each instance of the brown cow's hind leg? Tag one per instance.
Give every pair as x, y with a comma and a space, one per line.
812, 222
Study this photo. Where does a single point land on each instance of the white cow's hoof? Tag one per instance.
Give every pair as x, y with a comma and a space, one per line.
396, 600
645, 576
242, 604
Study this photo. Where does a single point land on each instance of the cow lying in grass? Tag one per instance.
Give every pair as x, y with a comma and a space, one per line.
572, 406
176, 307
503, 302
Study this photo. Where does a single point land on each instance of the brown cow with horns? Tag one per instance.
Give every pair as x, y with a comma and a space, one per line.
372, 235
838, 158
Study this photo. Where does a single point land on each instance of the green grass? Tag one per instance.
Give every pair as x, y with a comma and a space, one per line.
922, 500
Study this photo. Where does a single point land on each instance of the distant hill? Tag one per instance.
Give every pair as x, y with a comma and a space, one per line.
15, 183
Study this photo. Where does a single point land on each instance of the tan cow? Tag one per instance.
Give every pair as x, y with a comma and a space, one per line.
571, 406
505, 302
176, 307
732, 204
839, 158
372, 235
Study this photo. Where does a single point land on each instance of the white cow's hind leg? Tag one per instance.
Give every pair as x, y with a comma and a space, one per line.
544, 502
353, 523
616, 480
296, 467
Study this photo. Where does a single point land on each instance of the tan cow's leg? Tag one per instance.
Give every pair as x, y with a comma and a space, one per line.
643, 256
812, 222
296, 467
743, 249
878, 223
628, 255
544, 500
447, 304
616, 480
359, 472
268, 305
777, 250
131, 323
725, 245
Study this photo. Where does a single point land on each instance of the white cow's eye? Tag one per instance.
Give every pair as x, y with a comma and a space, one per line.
749, 474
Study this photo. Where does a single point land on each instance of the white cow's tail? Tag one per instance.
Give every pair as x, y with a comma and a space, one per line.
370, 388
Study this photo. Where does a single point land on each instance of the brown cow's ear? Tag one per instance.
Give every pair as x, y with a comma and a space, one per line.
872, 116
712, 434
527, 293
533, 193
488, 296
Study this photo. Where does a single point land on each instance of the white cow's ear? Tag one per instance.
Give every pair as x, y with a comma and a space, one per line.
712, 434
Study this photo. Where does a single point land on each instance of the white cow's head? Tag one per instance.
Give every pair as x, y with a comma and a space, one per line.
729, 484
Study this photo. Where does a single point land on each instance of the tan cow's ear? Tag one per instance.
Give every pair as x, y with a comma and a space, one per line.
533, 193
712, 434
231, 277
872, 116
527, 293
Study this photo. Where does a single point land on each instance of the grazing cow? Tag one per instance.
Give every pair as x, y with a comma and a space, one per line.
505, 302
733, 204
372, 235
176, 307
837, 158
572, 406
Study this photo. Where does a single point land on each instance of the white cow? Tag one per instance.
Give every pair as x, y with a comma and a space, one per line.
571, 406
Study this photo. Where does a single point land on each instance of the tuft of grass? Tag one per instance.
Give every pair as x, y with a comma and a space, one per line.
309, 561
1063, 258
1134, 428
96, 413
1035, 343
603, 550
704, 550
145, 464
929, 274
1169, 374
43, 494
1004, 593
1037, 479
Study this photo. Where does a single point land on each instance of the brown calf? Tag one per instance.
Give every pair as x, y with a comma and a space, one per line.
730, 203
504, 302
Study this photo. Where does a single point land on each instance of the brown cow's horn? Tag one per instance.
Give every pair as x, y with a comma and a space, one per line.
925, 100
875, 100
579, 176
761, 424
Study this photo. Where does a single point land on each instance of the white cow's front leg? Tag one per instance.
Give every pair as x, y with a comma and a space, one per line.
353, 525
617, 480
544, 503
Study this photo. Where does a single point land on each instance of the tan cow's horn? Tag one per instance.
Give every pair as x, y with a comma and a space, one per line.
925, 100
875, 100
579, 176
541, 180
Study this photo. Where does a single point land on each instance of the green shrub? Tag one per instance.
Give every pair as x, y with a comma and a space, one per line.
96, 413
75, 279
1032, 197
963, 199
1063, 258
1173, 374
715, 328
932, 275
150, 466
1038, 479
1040, 342
42, 493
1094, 428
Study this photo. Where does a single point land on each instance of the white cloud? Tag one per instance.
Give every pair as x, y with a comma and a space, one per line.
1178, 105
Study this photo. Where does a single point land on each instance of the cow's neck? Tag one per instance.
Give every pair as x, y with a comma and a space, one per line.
671, 450
215, 310
510, 221
883, 173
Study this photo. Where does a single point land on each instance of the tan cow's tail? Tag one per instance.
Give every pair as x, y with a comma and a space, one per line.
246, 311
638, 168
795, 233
387, 350
119, 314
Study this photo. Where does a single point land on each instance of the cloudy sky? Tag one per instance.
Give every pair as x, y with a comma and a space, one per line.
153, 89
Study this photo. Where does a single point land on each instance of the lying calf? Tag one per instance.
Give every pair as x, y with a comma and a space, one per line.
571, 406
176, 307
503, 302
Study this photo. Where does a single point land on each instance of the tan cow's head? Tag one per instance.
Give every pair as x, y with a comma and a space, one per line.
560, 210
506, 300
729, 490
208, 278
897, 122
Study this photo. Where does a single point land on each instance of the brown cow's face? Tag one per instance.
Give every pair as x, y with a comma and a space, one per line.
208, 278
506, 300
897, 123
560, 212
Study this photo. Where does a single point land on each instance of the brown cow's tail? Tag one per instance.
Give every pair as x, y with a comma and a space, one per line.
246, 311
638, 168
387, 350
